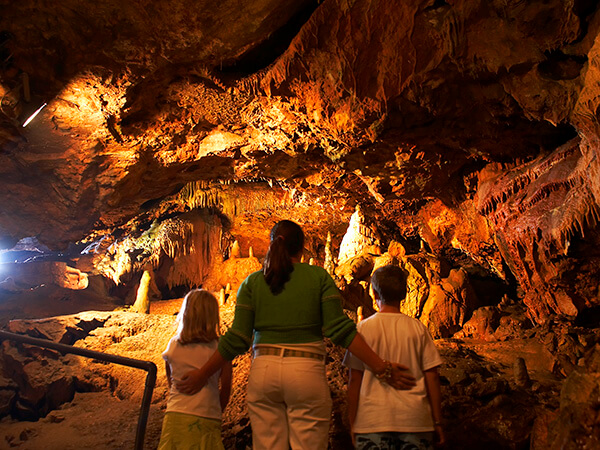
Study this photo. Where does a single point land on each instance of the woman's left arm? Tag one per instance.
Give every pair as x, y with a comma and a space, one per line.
234, 342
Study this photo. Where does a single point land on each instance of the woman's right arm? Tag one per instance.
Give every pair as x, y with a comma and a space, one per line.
400, 377
342, 330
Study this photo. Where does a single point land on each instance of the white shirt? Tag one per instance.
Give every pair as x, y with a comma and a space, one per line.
182, 359
398, 338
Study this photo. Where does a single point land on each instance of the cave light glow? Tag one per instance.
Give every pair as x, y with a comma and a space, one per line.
34, 115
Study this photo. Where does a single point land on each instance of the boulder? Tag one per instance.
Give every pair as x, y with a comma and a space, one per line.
575, 424
417, 285
482, 324
356, 268
449, 304
9, 285
8, 394
44, 379
396, 250
36, 273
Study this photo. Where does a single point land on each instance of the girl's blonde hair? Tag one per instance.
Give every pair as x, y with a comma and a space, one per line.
198, 320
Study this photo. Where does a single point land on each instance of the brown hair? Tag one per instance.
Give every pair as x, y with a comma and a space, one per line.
389, 283
287, 240
198, 320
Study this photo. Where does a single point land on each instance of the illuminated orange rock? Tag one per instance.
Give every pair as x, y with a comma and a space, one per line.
468, 129
449, 304
31, 275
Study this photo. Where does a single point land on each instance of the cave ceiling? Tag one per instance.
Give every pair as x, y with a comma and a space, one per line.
479, 113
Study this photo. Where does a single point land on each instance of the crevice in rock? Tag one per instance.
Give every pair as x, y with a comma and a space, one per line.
584, 9
436, 5
588, 318
558, 136
559, 66
269, 50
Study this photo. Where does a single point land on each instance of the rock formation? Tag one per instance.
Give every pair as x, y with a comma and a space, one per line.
467, 126
458, 139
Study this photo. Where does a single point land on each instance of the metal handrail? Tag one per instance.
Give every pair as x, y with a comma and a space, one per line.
148, 366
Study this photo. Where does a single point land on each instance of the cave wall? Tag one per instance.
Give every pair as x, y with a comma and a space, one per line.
467, 125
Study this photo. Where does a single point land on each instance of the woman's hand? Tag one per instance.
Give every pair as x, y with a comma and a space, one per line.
401, 378
191, 382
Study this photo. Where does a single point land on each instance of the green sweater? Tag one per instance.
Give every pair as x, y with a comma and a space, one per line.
307, 309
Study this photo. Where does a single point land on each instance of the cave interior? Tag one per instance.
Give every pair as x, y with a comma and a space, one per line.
147, 148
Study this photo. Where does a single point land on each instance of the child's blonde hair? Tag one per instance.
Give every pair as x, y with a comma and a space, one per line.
198, 320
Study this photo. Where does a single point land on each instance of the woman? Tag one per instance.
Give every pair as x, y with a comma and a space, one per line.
285, 310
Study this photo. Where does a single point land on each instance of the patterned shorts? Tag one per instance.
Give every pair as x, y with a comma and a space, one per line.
395, 441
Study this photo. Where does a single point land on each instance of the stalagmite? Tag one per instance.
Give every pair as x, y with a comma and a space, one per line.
359, 237
359, 314
311, 261
142, 303
222, 297
250, 252
236, 251
520, 373
228, 287
329, 264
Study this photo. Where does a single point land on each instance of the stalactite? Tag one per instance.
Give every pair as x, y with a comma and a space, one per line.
174, 237
245, 196
191, 268
521, 178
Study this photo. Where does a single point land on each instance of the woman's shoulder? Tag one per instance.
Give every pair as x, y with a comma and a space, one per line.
310, 269
254, 276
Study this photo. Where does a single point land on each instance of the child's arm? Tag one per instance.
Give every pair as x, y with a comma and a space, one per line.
225, 384
434, 395
354, 383
168, 370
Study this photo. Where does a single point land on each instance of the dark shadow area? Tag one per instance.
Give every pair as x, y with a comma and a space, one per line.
588, 318
270, 49
559, 66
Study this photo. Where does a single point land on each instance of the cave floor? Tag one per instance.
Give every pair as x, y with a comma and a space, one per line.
93, 420
107, 419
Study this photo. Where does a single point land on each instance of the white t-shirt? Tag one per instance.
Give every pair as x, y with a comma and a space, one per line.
398, 338
182, 359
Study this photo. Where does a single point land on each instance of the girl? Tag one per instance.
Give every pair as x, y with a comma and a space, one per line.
194, 421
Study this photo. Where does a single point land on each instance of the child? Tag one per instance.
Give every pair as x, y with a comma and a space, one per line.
380, 416
194, 421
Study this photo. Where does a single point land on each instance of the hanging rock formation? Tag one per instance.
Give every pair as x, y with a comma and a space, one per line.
466, 131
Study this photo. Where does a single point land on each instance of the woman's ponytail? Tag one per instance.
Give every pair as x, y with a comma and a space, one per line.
287, 241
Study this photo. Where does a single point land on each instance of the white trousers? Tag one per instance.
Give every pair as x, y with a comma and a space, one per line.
289, 403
